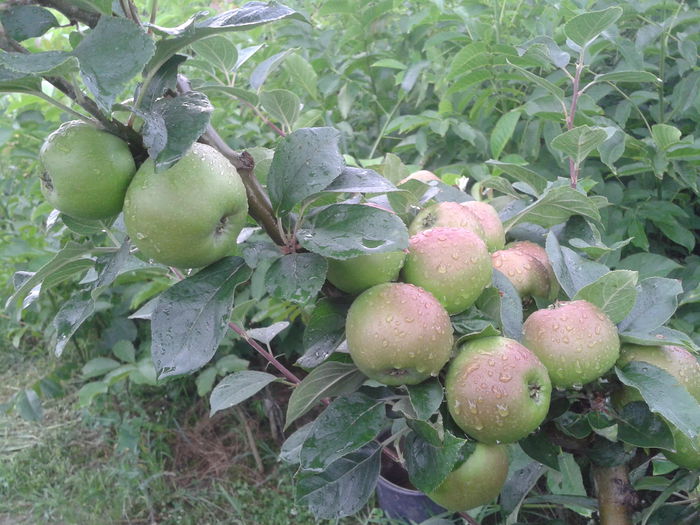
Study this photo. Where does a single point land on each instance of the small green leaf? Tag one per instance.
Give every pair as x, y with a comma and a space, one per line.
28, 404
577, 143
540, 448
329, 379
627, 76
98, 366
587, 26
573, 271
343, 231
639, 427
46, 63
614, 293
302, 73
282, 105
296, 277
554, 206
238, 387
325, 331
649, 265
665, 136
27, 21
218, 51
657, 300
664, 395
425, 398
428, 465
90, 391
503, 131
358, 180
533, 179
267, 334
389, 63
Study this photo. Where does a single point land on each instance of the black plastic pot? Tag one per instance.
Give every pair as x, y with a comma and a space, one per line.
400, 503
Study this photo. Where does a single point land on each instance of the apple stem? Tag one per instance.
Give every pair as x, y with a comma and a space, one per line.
616, 497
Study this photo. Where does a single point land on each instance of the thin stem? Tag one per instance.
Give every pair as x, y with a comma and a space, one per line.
386, 125
65, 108
573, 166
635, 106
152, 18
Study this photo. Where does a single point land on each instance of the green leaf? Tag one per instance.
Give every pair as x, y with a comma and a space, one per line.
98, 366
567, 480
14, 82
540, 448
244, 18
343, 231
305, 162
125, 351
578, 143
296, 277
664, 395
518, 484
627, 76
291, 448
112, 53
665, 136
27, 21
425, 398
103, 7
90, 391
536, 181
508, 305
554, 206
268, 333
173, 125
218, 51
46, 63
468, 58
587, 26
325, 331
428, 465
658, 336
344, 487
639, 427
236, 388
302, 73
205, 381
190, 318
329, 379
265, 68
28, 404
346, 425
389, 63
649, 265
573, 271
657, 300
545, 84
614, 293
282, 105
359, 180
503, 131
239, 93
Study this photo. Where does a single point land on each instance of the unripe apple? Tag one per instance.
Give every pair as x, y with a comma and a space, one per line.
575, 340
398, 334
420, 175
494, 236
446, 215
357, 274
526, 273
497, 390
475, 482
539, 253
190, 214
87, 171
682, 365
453, 264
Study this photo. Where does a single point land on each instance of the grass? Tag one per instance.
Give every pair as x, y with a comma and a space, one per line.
138, 458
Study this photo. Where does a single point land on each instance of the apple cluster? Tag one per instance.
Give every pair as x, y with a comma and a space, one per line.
498, 390
187, 215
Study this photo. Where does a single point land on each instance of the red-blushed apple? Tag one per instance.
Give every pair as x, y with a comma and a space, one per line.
357, 274
446, 215
453, 264
398, 334
526, 273
575, 340
497, 390
477, 481
494, 236
682, 365
539, 253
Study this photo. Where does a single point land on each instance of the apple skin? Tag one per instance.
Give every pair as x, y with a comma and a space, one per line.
475, 482
446, 215
525, 272
497, 390
190, 214
420, 175
453, 264
682, 365
398, 334
357, 274
575, 340
494, 236
87, 171
539, 253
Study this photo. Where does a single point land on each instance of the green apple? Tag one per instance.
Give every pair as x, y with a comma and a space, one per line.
86, 171
526, 273
420, 175
539, 253
497, 390
398, 334
446, 215
490, 222
190, 214
682, 365
477, 481
453, 264
357, 274
575, 340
